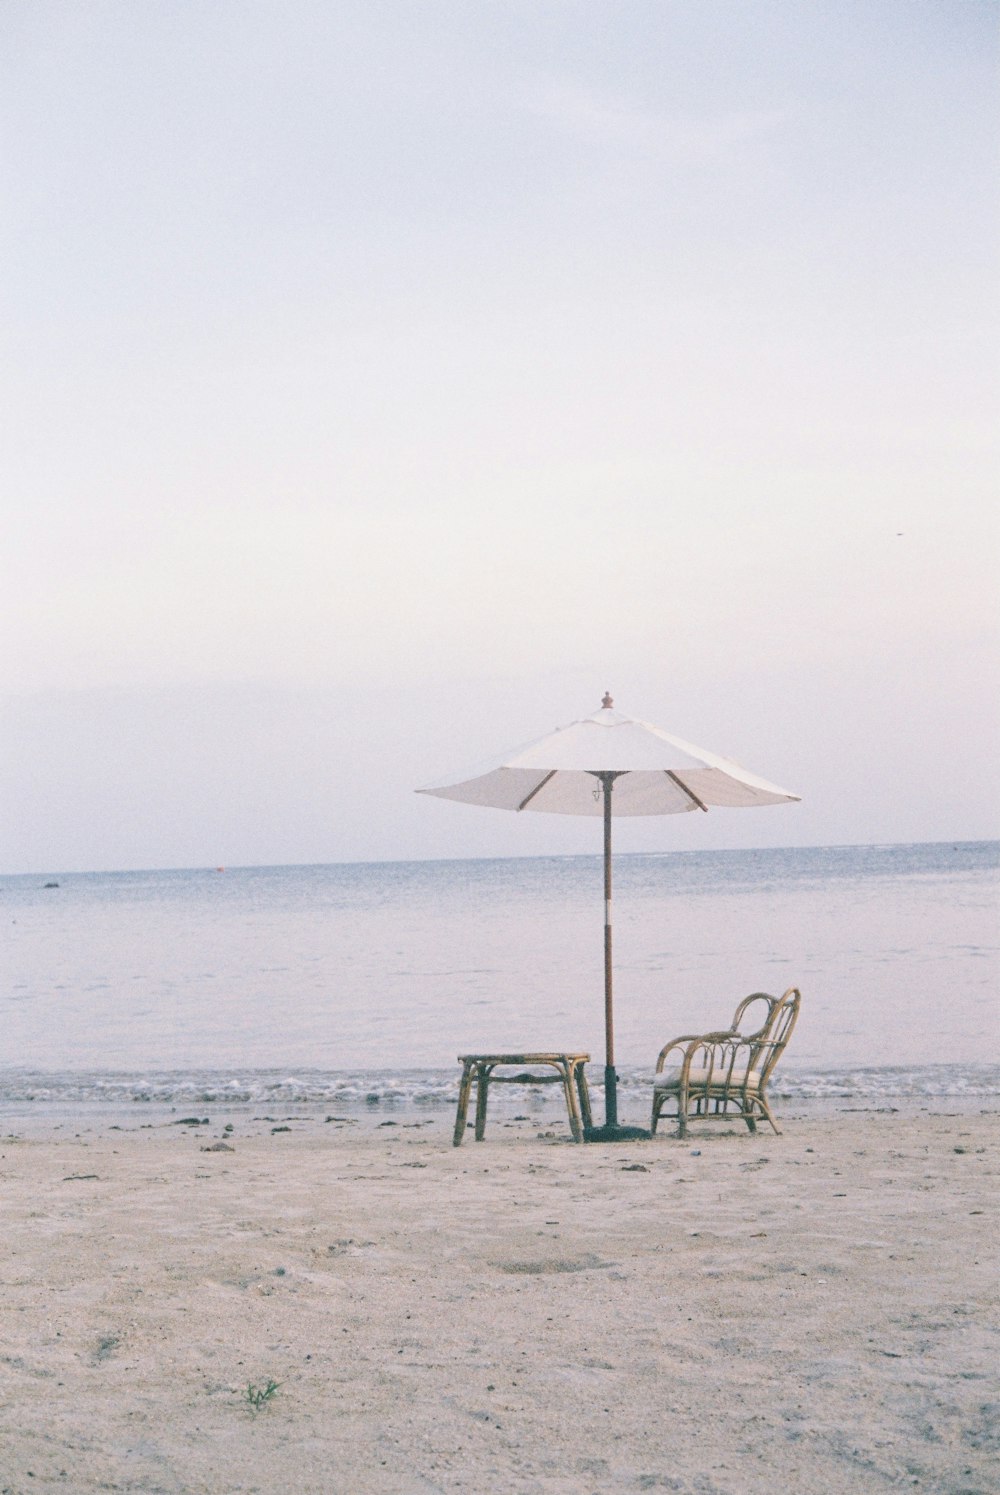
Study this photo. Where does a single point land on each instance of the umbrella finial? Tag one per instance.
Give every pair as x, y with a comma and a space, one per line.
607, 703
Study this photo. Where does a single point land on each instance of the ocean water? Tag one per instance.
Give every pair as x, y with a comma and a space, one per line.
360, 984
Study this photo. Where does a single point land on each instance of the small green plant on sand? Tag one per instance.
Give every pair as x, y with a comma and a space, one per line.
259, 1396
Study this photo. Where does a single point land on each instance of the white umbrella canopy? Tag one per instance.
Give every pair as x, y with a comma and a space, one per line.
609, 764
655, 773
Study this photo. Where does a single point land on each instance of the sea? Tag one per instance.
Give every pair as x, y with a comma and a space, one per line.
352, 988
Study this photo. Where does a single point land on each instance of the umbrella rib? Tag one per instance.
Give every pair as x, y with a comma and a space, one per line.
685, 790
538, 787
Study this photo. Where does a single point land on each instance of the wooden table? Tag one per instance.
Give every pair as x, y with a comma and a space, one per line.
479, 1068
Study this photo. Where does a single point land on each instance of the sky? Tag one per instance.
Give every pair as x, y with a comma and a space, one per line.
387, 379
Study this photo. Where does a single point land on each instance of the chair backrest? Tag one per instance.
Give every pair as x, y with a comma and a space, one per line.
771, 1042
762, 1017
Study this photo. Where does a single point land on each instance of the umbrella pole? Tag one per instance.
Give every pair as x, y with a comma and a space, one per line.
610, 1077
610, 1131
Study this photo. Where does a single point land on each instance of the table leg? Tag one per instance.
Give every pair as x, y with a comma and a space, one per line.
574, 1116
482, 1092
463, 1103
584, 1094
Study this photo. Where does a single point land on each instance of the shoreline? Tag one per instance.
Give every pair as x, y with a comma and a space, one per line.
520, 1114
802, 1082
731, 1314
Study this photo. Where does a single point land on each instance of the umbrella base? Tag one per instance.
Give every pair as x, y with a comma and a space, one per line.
611, 1131
615, 1133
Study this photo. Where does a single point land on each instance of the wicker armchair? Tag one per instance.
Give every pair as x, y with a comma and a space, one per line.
725, 1074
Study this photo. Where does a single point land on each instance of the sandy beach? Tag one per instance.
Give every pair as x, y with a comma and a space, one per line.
813, 1313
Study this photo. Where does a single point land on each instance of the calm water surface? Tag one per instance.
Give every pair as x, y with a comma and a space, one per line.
336, 981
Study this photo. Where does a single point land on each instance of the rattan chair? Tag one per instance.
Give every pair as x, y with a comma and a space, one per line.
725, 1074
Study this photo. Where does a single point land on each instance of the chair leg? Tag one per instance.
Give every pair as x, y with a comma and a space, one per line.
767, 1112
482, 1091
463, 1104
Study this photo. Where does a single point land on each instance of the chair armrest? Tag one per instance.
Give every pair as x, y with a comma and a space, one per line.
675, 1043
695, 1039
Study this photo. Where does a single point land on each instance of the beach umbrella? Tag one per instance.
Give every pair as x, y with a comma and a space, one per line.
610, 764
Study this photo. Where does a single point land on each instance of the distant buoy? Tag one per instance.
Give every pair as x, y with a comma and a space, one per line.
220, 869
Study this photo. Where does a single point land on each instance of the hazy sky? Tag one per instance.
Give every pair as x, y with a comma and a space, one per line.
385, 379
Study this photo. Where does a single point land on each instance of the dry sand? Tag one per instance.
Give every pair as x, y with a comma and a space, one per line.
810, 1314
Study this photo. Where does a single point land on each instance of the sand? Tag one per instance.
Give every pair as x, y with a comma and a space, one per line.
812, 1314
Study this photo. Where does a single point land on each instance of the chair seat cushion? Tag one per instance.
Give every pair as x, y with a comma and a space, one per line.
670, 1079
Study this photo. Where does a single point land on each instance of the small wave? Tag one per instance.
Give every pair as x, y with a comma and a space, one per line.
221, 1088
367, 1089
913, 1082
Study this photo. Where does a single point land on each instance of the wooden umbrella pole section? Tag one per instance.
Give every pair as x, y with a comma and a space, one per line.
610, 1131
610, 1077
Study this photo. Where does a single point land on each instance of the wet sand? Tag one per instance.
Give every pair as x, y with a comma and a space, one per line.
815, 1313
